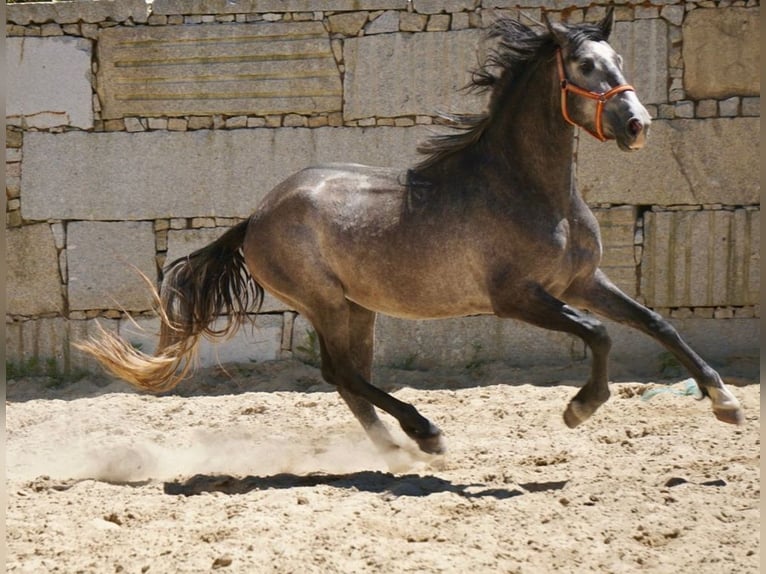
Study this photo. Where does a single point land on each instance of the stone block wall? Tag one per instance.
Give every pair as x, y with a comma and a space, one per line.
137, 132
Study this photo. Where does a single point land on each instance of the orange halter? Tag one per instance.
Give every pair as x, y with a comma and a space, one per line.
600, 97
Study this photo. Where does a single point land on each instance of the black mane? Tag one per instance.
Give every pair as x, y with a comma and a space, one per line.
517, 47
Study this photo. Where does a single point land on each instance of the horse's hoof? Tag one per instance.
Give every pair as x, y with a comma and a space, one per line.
726, 407
734, 416
433, 444
575, 414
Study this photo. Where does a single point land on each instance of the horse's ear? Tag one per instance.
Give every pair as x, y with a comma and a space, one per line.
557, 31
607, 23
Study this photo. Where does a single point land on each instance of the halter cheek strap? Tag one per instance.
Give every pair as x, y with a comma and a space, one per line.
600, 97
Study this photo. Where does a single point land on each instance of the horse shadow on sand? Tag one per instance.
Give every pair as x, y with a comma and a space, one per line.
386, 484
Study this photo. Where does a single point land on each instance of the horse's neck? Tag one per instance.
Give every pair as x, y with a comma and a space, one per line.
536, 142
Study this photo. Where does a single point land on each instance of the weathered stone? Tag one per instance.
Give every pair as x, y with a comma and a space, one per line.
721, 52
384, 24
49, 81
731, 345
33, 283
437, 6
259, 342
470, 340
264, 6
617, 233
399, 74
643, 45
701, 258
233, 69
104, 261
347, 23
215, 173
77, 11
684, 162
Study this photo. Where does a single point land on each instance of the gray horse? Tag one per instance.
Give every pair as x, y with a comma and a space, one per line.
490, 222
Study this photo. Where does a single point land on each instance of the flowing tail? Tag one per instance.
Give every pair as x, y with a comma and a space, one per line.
211, 282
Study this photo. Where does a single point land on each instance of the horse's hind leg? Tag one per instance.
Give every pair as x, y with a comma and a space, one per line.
601, 296
347, 365
361, 339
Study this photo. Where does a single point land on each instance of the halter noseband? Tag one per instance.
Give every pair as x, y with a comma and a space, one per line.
600, 97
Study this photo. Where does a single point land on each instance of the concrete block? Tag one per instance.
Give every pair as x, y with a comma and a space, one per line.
721, 52
155, 175
77, 11
730, 345
104, 261
44, 346
684, 162
618, 226
262, 342
643, 45
49, 81
394, 75
33, 283
262, 6
701, 258
462, 341
234, 69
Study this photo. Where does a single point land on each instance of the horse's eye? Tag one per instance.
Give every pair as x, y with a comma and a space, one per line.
587, 66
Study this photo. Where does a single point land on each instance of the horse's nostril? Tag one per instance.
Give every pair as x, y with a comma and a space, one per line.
635, 126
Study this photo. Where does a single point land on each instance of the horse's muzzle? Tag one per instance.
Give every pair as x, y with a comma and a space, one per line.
636, 131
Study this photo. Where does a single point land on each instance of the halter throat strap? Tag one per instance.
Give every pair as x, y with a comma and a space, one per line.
601, 98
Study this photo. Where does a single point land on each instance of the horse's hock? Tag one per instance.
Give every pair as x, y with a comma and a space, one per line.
138, 132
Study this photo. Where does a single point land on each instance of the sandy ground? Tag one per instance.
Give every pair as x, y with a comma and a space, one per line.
263, 469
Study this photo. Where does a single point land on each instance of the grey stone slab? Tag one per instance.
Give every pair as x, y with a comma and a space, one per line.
77, 11
643, 45
33, 284
721, 52
262, 342
730, 345
393, 75
701, 258
618, 261
684, 162
49, 82
234, 69
44, 346
461, 342
104, 261
150, 175
168, 7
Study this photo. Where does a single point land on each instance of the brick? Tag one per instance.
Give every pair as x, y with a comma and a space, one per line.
215, 173
49, 81
701, 258
684, 162
721, 51
104, 259
33, 283
392, 75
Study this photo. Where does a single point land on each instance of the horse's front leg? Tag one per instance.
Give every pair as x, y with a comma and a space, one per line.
601, 296
532, 304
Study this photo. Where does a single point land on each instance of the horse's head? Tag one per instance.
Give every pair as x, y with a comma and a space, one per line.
594, 93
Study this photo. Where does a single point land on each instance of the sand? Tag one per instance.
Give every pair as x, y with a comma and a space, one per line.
262, 468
